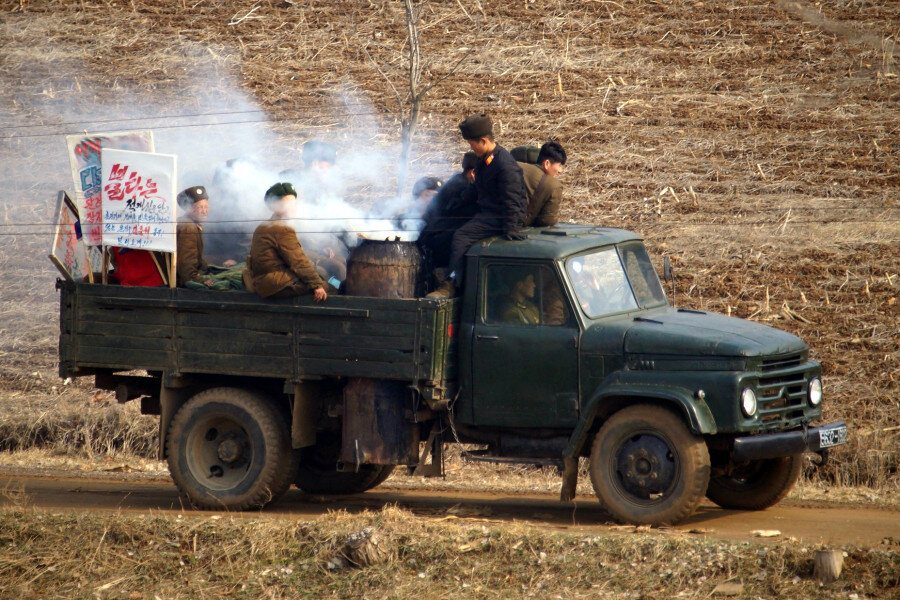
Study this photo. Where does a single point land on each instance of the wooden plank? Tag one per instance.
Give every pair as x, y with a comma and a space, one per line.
114, 358
407, 330
252, 351
125, 343
375, 370
235, 320
235, 364
123, 329
226, 335
356, 354
406, 343
145, 317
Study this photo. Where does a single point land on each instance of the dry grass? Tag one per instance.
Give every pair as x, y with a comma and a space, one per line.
756, 145
66, 555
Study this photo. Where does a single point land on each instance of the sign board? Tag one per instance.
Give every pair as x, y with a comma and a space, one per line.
138, 200
68, 251
84, 159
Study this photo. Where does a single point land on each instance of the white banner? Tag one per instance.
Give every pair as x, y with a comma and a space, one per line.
68, 252
139, 208
84, 159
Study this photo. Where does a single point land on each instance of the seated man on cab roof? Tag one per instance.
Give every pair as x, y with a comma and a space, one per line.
277, 266
543, 186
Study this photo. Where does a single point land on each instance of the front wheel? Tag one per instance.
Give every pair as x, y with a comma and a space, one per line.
230, 449
757, 485
647, 467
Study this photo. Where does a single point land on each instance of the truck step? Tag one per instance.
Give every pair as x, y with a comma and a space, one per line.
482, 456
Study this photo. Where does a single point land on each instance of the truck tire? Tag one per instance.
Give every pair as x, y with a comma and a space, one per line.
230, 449
317, 474
757, 485
647, 467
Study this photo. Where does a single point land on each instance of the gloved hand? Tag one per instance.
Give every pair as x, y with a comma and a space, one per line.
515, 236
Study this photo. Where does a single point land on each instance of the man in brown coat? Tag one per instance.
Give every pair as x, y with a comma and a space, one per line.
543, 187
278, 267
190, 264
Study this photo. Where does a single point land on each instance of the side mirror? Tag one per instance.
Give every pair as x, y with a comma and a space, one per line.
668, 273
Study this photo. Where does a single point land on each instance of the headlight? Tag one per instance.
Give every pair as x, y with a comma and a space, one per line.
815, 391
748, 402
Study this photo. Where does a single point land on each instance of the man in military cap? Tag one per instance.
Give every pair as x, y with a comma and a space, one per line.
190, 264
277, 266
452, 206
500, 197
543, 186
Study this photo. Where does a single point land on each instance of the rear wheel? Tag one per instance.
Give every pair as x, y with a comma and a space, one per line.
317, 472
230, 448
647, 467
757, 485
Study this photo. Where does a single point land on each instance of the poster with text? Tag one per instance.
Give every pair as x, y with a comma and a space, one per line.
68, 251
138, 200
85, 160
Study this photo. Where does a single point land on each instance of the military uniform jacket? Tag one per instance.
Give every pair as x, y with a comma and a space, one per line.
543, 206
189, 244
453, 205
277, 260
501, 189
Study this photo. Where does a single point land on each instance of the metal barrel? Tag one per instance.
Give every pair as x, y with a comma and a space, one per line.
384, 269
376, 429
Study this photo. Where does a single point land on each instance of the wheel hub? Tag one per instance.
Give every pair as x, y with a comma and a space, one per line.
646, 466
229, 451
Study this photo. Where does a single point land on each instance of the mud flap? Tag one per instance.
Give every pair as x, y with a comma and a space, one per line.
435, 448
303, 418
569, 479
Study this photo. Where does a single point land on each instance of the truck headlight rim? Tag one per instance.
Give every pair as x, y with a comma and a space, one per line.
748, 402
815, 391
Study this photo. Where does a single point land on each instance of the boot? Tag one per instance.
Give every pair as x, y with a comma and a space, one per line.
445, 290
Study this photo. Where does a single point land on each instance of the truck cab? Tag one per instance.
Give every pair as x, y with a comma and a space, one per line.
569, 347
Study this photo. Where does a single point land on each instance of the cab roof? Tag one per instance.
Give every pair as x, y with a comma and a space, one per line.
554, 243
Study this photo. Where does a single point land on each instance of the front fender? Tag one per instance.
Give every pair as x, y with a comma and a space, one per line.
611, 397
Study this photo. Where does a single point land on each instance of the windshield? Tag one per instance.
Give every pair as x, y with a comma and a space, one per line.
602, 285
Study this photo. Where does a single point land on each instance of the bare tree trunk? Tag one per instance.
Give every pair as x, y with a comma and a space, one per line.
408, 122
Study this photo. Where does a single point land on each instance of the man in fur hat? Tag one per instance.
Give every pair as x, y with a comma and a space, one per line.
500, 196
190, 264
277, 266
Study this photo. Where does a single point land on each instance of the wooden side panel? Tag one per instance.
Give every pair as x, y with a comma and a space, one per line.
186, 331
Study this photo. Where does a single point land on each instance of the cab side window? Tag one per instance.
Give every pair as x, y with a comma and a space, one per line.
523, 295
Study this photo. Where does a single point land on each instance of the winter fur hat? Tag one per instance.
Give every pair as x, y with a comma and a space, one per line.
476, 126
187, 198
279, 191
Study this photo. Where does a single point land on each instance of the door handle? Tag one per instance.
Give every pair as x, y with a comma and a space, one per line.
482, 336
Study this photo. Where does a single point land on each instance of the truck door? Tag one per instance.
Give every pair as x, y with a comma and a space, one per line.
525, 349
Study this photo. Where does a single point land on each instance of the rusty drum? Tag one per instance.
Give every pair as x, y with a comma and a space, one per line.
376, 429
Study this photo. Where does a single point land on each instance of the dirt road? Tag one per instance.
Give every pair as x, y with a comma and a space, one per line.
808, 524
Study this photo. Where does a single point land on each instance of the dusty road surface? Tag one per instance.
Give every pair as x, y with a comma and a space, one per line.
817, 523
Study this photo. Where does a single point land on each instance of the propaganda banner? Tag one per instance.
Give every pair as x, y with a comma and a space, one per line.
85, 160
68, 251
138, 200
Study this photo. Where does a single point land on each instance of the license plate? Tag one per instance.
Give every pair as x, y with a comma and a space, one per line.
834, 436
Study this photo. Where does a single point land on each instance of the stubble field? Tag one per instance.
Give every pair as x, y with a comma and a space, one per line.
755, 145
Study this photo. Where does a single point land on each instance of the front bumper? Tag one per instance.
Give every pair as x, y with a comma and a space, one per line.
776, 445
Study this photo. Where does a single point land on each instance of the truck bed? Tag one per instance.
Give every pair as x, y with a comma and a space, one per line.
181, 331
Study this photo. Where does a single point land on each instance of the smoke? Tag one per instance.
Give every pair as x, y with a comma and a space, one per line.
223, 140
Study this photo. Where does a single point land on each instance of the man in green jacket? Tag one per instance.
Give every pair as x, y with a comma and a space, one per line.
543, 186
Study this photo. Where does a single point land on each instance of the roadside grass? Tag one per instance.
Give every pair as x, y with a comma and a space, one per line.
146, 556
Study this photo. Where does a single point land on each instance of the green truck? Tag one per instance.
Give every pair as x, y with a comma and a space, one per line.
562, 346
